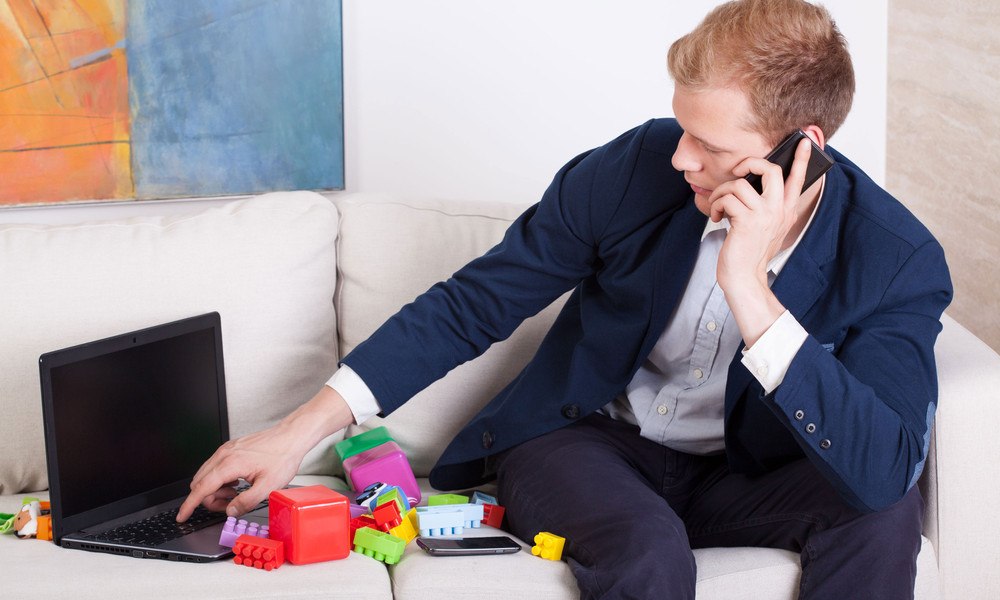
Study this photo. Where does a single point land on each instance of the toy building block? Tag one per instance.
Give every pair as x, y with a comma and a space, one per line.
361, 442
406, 530
493, 515
397, 495
481, 498
260, 553
44, 527
548, 546
362, 521
385, 463
234, 529
313, 522
379, 545
357, 510
387, 516
443, 499
368, 497
434, 521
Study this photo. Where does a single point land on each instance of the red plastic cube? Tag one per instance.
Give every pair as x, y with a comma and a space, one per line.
313, 523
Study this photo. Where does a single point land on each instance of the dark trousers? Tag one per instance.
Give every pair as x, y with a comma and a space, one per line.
632, 510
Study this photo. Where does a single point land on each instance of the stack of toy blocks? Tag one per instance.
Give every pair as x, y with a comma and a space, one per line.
492, 512
374, 457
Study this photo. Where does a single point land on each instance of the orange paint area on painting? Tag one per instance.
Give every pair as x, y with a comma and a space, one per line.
64, 116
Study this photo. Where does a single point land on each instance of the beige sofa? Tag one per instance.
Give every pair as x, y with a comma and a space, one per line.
299, 281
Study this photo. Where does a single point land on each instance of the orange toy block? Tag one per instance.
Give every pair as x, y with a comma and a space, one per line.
260, 553
548, 546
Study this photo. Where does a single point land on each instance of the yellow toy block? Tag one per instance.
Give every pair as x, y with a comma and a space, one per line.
406, 530
548, 546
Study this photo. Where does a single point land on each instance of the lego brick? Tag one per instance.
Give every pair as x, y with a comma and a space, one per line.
548, 546
361, 442
379, 545
385, 463
405, 531
481, 498
362, 521
258, 552
448, 519
387, 515
442, 499
397, 495
313, 523
234, 528
493, 515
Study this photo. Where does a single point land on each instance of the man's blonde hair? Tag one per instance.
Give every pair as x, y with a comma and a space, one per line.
787, 56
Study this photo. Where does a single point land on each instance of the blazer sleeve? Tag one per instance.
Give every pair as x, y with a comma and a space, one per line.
547, 251
864, 414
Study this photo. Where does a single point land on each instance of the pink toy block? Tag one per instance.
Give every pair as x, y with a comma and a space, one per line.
234, 529
386, 463
258, 552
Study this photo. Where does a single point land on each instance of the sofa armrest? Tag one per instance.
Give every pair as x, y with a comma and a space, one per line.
965, 477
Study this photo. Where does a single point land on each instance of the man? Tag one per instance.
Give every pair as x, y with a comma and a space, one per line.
740, 369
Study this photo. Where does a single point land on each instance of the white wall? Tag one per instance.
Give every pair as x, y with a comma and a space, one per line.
486, 100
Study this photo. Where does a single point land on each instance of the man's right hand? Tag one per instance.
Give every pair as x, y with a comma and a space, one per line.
267, 459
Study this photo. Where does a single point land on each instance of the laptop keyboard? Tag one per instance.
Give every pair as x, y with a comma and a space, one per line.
160, 528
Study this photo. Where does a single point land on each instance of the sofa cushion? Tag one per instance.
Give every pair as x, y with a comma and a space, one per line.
392, 251
267, 265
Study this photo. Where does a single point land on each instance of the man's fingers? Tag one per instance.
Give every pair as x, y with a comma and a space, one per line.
800, 165
249, 498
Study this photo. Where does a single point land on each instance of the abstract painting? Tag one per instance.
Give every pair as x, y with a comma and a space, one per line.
123, 99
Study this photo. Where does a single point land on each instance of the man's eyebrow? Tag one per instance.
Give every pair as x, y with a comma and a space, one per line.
707, 143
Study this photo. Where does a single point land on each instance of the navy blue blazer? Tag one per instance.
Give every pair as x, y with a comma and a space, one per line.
618, 226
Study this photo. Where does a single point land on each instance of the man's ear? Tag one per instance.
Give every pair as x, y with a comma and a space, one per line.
816, 134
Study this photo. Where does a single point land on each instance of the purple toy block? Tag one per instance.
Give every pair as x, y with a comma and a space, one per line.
234, 529
385, 462
357, 510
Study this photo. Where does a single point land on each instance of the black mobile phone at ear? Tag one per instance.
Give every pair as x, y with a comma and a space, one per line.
499, 544
784, 154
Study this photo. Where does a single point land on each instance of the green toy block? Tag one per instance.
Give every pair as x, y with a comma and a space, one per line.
361, 442
394, 494
378, 545
439, 499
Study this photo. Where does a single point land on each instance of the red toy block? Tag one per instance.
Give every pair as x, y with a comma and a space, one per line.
387, 516
493, 515
362, 521
261, 553
313, 522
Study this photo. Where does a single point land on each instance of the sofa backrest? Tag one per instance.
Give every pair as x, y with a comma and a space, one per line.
266, 264
390, 252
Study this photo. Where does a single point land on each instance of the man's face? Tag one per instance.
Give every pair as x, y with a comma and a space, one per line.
715, 140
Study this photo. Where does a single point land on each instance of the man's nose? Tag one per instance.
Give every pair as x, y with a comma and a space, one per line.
685, 157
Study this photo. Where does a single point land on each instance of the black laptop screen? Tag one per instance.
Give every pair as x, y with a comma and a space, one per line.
134, 420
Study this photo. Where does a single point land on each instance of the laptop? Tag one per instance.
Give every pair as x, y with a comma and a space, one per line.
128, 421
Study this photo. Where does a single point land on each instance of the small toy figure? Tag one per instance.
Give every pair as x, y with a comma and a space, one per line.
26, 522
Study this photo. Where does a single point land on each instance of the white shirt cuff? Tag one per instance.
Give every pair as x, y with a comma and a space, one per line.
768, 360
355, 392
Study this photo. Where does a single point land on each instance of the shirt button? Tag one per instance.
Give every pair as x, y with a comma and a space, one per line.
662, 409
711, 326
762, 371
811, 428
825, 444
698, 373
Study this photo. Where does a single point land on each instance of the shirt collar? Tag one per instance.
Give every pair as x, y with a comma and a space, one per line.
778, 262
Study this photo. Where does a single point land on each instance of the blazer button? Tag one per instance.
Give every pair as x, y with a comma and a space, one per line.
488, 439
811, 428
799, 415
571, 411
825, 444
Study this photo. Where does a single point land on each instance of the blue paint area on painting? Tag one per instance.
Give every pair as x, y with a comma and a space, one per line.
235, 96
